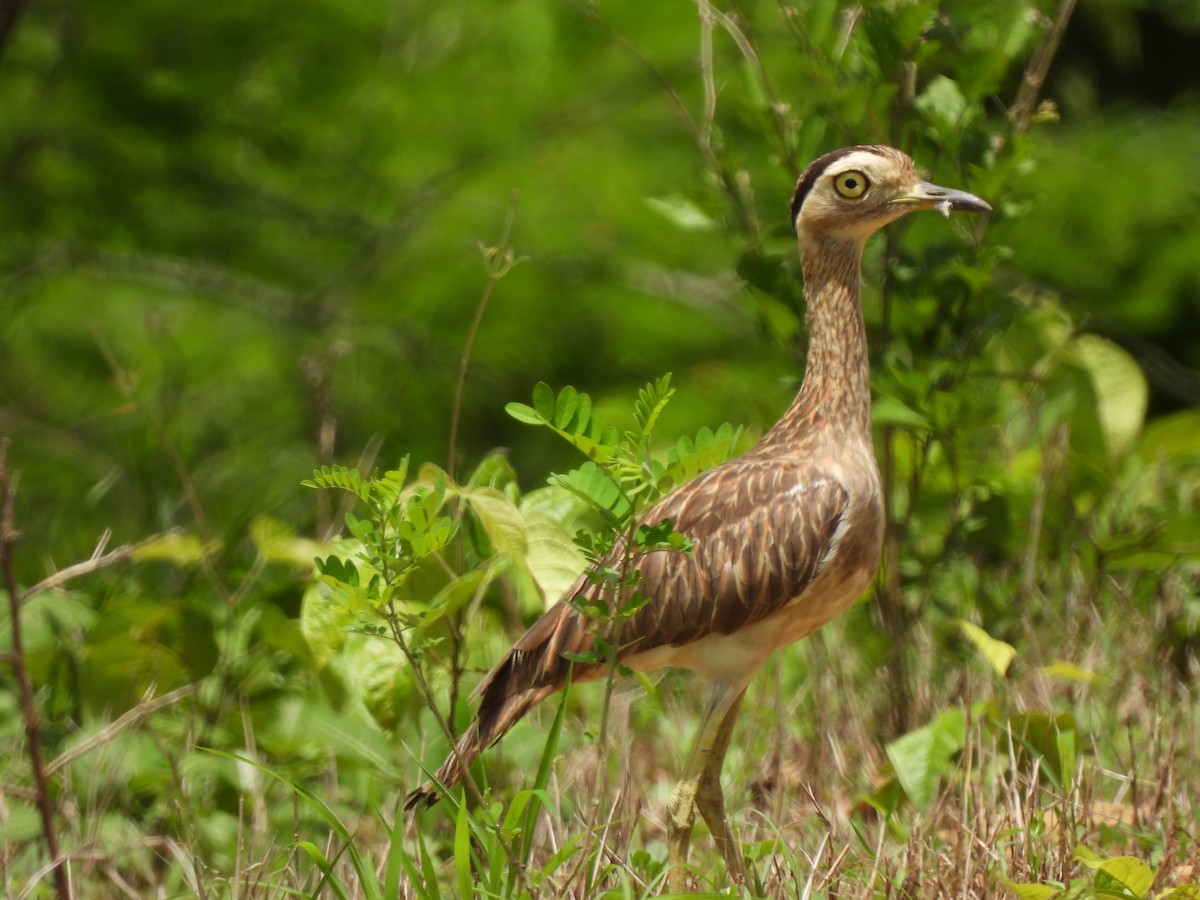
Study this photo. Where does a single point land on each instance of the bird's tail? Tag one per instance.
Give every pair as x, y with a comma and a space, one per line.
499, 709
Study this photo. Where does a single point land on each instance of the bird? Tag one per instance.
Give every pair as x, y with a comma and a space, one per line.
784, 537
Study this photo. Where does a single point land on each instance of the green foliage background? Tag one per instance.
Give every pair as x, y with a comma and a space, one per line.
239, 242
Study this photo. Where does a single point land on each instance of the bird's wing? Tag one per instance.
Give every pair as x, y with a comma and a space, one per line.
762, 529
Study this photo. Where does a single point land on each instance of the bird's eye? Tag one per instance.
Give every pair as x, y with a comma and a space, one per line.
851, 185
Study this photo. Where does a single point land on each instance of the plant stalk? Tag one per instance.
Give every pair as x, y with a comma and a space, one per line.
41, 788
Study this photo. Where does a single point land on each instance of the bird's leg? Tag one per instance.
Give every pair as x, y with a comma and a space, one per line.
710, 799
681, 808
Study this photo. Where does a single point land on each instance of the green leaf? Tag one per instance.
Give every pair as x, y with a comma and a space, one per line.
543, 401
341, 478
501, 521
593, 484
920, 758
552, 557
460, 590
892, 411
943, 105
1121, 389
681, 212
176, 547
1068, 671
523, 413
998, 653
1033, 891
565, 407
1127, 870
1182, 892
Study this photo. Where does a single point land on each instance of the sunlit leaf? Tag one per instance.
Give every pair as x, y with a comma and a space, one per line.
998, 654
1033, 891
1121, 389
1068, 671
501, 520
1129, 871
681, 212
177, 547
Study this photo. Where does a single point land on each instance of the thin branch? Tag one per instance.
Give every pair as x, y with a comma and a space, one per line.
499, 260
98, 561
128, 719
1039, 67
8, 538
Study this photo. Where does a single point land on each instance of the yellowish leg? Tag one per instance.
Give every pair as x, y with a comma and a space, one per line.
700, 785
710, 799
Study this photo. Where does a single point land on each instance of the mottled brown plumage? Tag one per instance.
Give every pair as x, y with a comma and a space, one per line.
786, 536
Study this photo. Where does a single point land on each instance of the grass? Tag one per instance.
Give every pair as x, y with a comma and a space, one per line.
812, 792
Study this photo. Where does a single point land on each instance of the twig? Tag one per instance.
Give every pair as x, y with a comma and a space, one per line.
98, 561
116, 726
8, 537
1039, 67
499, 260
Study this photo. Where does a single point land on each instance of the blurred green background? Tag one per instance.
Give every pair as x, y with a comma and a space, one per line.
220, 224
242, 240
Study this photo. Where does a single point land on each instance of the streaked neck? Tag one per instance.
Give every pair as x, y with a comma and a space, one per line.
836, 392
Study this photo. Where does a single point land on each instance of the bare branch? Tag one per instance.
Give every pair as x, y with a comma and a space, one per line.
8, 538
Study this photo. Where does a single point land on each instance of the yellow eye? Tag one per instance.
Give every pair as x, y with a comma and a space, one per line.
851, 185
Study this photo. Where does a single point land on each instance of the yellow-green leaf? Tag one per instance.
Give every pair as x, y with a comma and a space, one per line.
999, 654
1033, 891
1121, 389
175, 546
1129, 870
1068, 671
501, 520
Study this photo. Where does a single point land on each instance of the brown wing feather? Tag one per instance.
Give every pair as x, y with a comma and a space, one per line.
763, 529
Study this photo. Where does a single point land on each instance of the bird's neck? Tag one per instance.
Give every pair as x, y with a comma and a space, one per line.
836, 392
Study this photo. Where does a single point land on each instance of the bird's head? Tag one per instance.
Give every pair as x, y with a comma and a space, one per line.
850, 193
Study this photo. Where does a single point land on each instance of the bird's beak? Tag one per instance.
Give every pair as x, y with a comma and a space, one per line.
931, 196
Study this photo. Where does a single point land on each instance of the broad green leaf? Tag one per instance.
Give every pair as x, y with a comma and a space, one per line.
552, 557
921, 757
1121, 389
1128, 870
997, 653
501, 521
